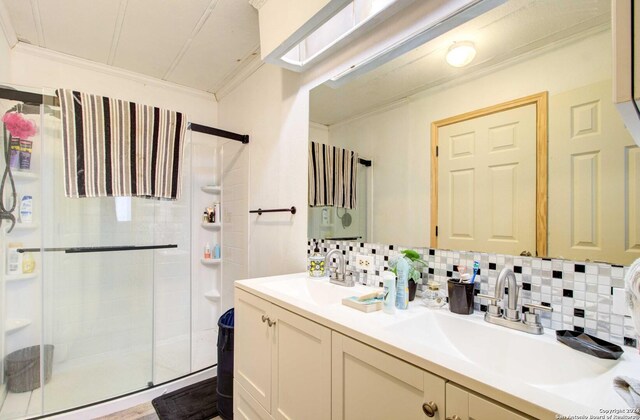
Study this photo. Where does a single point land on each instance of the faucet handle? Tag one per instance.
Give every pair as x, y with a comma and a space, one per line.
493, 309
493, 299
535, 307
333, 270
532, 317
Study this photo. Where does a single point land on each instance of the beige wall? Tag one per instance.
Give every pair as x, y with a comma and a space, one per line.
4, 58
397, 138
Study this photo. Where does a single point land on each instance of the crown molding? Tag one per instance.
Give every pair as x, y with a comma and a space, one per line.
106, 69
235, 79
370, 112
318, 126
257, 4
7, 26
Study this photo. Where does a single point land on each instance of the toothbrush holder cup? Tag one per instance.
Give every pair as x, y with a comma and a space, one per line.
460, 297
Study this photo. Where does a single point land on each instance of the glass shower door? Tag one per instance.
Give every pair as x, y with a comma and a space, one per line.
98, 301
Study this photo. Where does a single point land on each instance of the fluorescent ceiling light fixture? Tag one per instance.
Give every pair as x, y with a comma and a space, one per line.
354, 17
461, 53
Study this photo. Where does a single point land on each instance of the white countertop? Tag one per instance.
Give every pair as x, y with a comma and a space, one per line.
464, 349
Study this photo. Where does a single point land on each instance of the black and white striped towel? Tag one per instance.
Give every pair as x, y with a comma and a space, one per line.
333, 175
119, 148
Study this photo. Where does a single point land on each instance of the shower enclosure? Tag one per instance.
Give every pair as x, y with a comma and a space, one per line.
111, 292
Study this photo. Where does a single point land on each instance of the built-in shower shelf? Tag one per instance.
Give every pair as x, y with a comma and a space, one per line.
211, 189
20, 277
211, 225
212, 295
210, 261
21, 227
15, 324
24, 176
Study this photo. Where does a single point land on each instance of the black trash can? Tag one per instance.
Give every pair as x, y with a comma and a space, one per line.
224, 387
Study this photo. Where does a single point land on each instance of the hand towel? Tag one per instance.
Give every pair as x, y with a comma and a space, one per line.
632, 287
115, 148
628, 389
333, 176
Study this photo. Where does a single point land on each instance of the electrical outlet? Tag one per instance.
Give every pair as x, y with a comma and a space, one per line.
364, 262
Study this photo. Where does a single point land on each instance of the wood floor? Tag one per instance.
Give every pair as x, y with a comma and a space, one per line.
139, 412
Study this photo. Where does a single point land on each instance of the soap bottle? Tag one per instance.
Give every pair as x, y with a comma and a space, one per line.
14, 258
207, 252
28, 263
316, 262
402, 285
216, 251
389, 284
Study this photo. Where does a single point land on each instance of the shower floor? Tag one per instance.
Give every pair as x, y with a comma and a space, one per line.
100, 377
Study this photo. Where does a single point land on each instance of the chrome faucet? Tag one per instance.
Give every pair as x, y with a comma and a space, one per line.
510, 316
338, 275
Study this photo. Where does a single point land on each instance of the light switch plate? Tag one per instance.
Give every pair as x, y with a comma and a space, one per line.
364, 262
619, 306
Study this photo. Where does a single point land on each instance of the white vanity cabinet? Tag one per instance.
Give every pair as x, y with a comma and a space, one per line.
369, 384
464, 405
282, 364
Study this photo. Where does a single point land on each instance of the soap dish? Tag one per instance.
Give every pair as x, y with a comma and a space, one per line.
589, 344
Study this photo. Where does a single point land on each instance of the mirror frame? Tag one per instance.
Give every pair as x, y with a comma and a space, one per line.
540, 100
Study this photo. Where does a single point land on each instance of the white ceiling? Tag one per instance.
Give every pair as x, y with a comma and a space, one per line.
505, 33
201, 44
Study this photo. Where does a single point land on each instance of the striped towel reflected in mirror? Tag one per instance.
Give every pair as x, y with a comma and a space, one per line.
115, 148
333, 175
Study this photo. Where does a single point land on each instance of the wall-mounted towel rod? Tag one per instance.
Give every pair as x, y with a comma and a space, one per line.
27, 97
84, 249
243, 138
260, 211
37, 99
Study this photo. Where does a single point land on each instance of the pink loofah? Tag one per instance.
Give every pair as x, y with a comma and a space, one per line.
19, 126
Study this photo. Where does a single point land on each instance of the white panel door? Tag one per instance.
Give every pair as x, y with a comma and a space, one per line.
594, 178
487, 183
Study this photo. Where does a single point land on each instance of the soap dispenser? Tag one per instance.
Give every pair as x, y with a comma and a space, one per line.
316, 262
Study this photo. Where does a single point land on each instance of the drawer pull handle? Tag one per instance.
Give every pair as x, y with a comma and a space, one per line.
270, 322
454, 417
264, 318
430, 408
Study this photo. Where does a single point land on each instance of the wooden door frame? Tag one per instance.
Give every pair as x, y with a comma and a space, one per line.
541, 101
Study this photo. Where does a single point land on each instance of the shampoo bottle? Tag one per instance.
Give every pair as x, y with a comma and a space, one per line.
389, 284
216, 252
207, 251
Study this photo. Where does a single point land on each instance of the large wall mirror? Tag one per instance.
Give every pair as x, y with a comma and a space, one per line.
488, 183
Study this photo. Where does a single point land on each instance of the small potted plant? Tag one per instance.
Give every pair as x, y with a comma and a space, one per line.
416, 264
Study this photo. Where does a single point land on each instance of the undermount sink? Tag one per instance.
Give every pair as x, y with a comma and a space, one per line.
317, 291
536, 360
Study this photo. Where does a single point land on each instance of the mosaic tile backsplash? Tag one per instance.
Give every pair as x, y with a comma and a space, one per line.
579, 293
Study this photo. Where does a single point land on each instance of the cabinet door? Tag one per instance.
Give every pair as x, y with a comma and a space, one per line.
254, 343
463, 405
369, 384
245, 407
301, 368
